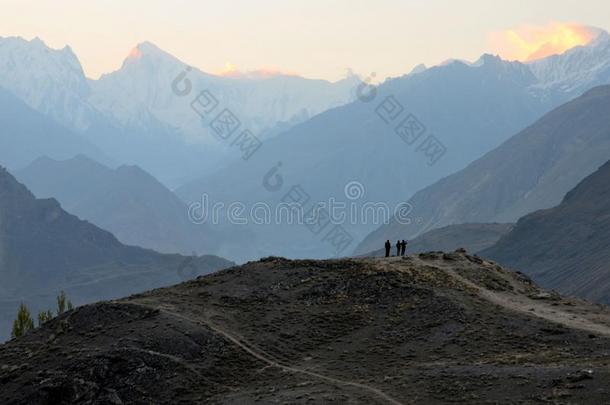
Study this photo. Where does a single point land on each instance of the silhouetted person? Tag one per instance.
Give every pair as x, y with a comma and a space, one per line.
388, 246
398, 246
403, 247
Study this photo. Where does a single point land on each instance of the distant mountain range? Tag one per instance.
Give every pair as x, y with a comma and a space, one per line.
565, 247
134, 116
322, 141
44, 250
142, 88
470, 108
531, 171
354, 144
127, 201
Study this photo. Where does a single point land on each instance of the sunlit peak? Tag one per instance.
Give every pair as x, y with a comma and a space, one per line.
527, 43
134, 54
230, 70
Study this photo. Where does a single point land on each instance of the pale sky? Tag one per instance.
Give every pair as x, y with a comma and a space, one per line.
313, 38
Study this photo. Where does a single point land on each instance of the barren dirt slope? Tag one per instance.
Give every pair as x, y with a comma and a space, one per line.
433, 328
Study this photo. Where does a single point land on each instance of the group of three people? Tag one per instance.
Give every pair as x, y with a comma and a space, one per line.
401, 247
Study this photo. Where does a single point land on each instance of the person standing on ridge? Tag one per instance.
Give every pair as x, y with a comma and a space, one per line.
388, 246
403, 247
398, 245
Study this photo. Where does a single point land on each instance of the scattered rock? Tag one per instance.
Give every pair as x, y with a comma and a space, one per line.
580, 376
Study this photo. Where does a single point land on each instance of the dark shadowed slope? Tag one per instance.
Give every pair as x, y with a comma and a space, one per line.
128, 202
430, 329
472, 237
43, 250
532, 170
566, 247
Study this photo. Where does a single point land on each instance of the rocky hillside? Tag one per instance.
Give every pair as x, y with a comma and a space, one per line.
434, 328
44, 249
531, 171
566, 247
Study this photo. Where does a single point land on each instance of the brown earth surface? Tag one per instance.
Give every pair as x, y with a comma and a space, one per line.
433, 328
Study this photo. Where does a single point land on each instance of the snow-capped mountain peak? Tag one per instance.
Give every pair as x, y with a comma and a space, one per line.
49, 80
418, 69
35, 58
140, 92
577, 69
147, 52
